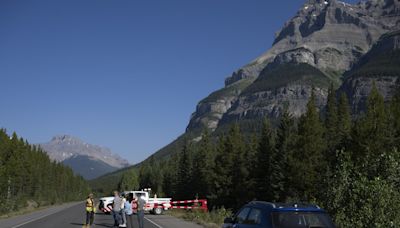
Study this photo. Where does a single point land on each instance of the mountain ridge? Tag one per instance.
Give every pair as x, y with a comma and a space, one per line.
328, 35
328, 40
70, 149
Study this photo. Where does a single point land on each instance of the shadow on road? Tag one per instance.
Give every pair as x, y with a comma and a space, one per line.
103, 225
97, 224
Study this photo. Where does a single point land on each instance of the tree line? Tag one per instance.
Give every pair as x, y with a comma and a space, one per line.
28, 174
349, 166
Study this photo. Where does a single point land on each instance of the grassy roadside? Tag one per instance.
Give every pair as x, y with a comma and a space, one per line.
31, 206
212, 219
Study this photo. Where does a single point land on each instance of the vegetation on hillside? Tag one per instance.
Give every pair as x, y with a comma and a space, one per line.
350, 168
287, 74
386, 64
231, 90
27, 173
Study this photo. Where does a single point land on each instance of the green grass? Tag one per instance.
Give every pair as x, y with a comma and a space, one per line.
212, 219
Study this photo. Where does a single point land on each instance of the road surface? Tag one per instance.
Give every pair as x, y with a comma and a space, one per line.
73, 215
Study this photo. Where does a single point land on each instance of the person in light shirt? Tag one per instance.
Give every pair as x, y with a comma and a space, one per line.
141, 204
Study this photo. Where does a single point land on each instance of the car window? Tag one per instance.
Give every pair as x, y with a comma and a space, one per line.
301, 220
254, 217
242, 215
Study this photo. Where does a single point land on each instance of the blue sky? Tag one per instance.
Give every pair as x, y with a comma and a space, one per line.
123, 74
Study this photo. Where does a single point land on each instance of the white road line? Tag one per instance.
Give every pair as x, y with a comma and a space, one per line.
43, 216
32, 220
153, 223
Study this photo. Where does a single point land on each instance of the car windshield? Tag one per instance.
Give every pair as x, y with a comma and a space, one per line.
292, 219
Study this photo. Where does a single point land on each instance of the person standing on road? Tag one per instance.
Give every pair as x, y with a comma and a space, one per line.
128, 210
90, 209
141, 203
117, 206
123, 214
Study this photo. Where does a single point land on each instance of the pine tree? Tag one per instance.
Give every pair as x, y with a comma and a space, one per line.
373, 135
307, 163
170, 175
129, 181
395, 116
185, 171
251, 160
279, 164
266, 150
344, 122
203, 164
234, 144
331, 125
222, 180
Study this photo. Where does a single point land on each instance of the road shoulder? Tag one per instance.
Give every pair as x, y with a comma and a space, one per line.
20, 220
167, 221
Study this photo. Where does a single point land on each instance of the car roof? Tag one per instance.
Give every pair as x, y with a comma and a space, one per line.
286, 206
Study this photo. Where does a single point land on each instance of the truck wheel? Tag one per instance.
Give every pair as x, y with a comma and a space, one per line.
158, 211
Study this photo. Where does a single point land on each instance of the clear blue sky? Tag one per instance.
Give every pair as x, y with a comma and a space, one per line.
123, 74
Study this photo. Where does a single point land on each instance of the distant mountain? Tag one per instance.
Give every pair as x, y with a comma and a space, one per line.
74, 152
88, 167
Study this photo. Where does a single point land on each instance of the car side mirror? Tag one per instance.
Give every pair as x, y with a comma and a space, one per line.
228, 220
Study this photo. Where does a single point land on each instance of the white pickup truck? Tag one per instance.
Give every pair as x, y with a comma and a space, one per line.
153, 205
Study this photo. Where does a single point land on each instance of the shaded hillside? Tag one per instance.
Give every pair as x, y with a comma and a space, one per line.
88, 167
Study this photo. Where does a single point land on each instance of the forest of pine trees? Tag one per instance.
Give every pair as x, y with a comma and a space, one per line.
27, 174
349, 166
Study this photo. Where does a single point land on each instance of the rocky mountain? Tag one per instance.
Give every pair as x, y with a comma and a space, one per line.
325, 39
72, 150
88, 167
381, 65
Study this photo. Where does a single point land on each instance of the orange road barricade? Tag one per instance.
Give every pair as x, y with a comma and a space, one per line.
200, 204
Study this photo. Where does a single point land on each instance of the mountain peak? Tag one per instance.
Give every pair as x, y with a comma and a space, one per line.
66, 139
62, 147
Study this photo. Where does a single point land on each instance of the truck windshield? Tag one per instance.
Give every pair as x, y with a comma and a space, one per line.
292, 219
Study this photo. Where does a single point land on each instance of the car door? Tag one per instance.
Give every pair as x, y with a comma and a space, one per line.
253, 219
241, 217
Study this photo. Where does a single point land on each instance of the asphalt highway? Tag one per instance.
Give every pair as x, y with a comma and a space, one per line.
73, 216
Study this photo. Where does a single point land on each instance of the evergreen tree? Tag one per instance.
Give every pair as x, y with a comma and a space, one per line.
239, 173
170, 176
344, 121
263, 170
279, 164
251, 160
185, 171
222, 180
331, 125
373, 135
26, 173
307, 163
394, 118
129, 181
203, 164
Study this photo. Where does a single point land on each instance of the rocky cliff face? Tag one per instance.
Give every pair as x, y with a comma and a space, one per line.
328, 37
64, 147
210, 110
380, 66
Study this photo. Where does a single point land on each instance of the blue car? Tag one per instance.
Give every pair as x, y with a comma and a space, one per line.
259, 214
